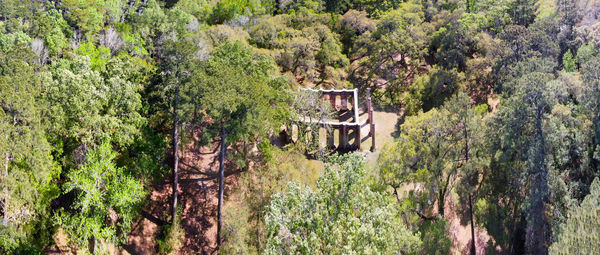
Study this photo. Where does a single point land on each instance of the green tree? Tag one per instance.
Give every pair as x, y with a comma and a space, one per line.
239, 91
522, 12
535, 95
432, 150
300, 6
88, 106
520, 159
55, 31
304, 45
400, 39
228, 9
175, 97
243, 217
87, 17
421, 155
453, 45
355, 27
107, 202
568, 15
526, 50
201, 9
568, 129
341, 210
27, 168
395, 51
432, 89
585, 53
579, 234
568, 62
591, 78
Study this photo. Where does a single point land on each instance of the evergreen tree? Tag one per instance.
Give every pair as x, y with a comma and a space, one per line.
591, 78
243, 98
27, 168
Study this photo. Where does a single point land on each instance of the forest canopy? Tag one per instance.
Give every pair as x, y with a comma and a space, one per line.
119, 116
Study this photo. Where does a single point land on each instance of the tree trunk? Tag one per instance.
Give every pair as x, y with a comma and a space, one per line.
221, 184
473, 252
92, 245
5, 191
441, 203
6, 161
442, 196
175, 158
466, 136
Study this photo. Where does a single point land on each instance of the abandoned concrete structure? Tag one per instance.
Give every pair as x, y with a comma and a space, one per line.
349, 123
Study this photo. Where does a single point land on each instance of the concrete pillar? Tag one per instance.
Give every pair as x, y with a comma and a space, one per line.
355, 105
294, 128
373, 137
371, 121
314, 136
344, 98
308, 134
357, 137
330, 138
333, 99
343, 138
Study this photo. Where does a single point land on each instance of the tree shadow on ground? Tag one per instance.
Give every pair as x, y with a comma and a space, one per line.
198, 190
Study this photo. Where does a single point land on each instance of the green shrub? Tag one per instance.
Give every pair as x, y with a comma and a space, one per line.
568, 62
172, 237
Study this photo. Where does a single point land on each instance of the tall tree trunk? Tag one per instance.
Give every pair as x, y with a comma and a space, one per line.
92, 245
473, 251
175, 158
466, 136
442, 196
6, 161
5, 190
221, 183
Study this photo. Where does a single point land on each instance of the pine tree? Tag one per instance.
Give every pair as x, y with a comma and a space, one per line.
245, 100
26, 163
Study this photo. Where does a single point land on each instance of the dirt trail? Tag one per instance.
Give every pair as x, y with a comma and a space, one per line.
198, 188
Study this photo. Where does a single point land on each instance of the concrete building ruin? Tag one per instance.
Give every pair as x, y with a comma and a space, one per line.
350, 125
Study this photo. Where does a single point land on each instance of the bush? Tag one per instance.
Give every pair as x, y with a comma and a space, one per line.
172, 237
434, 234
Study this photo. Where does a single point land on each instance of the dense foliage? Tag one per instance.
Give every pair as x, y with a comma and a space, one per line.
343, 215
499, 105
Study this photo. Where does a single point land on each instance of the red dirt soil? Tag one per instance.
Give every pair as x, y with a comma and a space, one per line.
198, 190
461, 234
